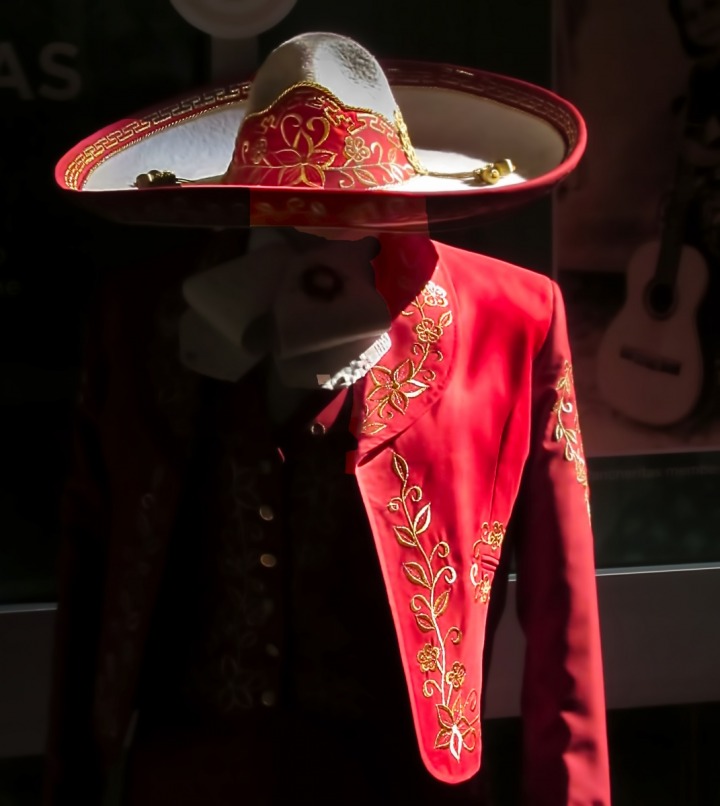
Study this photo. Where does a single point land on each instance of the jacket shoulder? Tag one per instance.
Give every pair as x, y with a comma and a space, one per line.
517, 299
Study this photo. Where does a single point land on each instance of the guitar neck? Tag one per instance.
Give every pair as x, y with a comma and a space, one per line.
673, 234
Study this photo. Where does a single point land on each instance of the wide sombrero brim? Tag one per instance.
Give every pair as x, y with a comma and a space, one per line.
458, 119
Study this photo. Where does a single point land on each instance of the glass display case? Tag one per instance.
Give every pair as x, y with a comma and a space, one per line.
67, 69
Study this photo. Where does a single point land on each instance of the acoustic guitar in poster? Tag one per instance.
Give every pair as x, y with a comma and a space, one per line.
650, 361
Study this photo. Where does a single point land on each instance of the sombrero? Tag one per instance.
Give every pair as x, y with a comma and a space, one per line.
326, 136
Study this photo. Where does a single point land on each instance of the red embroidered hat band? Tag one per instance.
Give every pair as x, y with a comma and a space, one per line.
318, 138
308, 138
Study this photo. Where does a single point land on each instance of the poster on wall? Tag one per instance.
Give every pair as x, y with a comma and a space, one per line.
637, 254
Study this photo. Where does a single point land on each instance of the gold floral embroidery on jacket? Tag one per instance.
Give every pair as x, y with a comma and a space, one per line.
492, 536
392, 388
432, 571
567, 427
483, 586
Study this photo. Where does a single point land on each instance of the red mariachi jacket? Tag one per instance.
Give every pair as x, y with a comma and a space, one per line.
474, 401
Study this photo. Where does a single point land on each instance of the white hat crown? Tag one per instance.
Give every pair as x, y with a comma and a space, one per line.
336, 63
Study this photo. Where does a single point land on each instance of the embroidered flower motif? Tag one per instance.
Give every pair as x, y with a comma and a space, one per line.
257, 150
457, 732
434, 296
355, 149
267, 122
304, 162
456, 676
482, 589
428, 658
431, 571
395, 387
313, 141
428, 332
392, 388
494, 536
569, 433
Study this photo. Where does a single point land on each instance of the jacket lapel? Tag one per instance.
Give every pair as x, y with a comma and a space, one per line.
413, 374
422, 564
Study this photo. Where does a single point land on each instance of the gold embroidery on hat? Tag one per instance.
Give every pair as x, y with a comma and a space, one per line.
355, 148
568, 432
106, 146
303, 158
112, 143
432, 571
407, 145
335, 113
392, 388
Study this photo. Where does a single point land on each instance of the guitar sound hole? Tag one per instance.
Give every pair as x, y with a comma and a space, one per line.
660, 299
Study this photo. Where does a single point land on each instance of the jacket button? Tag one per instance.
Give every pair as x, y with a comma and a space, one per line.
268, 698
266, 512
317, 429
268, 560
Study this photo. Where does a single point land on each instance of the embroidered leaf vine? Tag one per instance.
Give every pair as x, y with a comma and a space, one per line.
416, 574
445, 716
404, 536
432, 570
441, 604
400, 467
392, 388
424, 622
422, 520
570, 434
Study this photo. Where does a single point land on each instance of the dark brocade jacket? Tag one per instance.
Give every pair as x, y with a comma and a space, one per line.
294, 600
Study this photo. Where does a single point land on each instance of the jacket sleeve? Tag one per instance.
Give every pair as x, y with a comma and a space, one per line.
72, 770
564, 734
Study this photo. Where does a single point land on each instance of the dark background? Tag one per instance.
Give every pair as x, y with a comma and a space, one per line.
68, 67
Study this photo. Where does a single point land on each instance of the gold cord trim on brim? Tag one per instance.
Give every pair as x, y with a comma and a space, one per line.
488, 174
